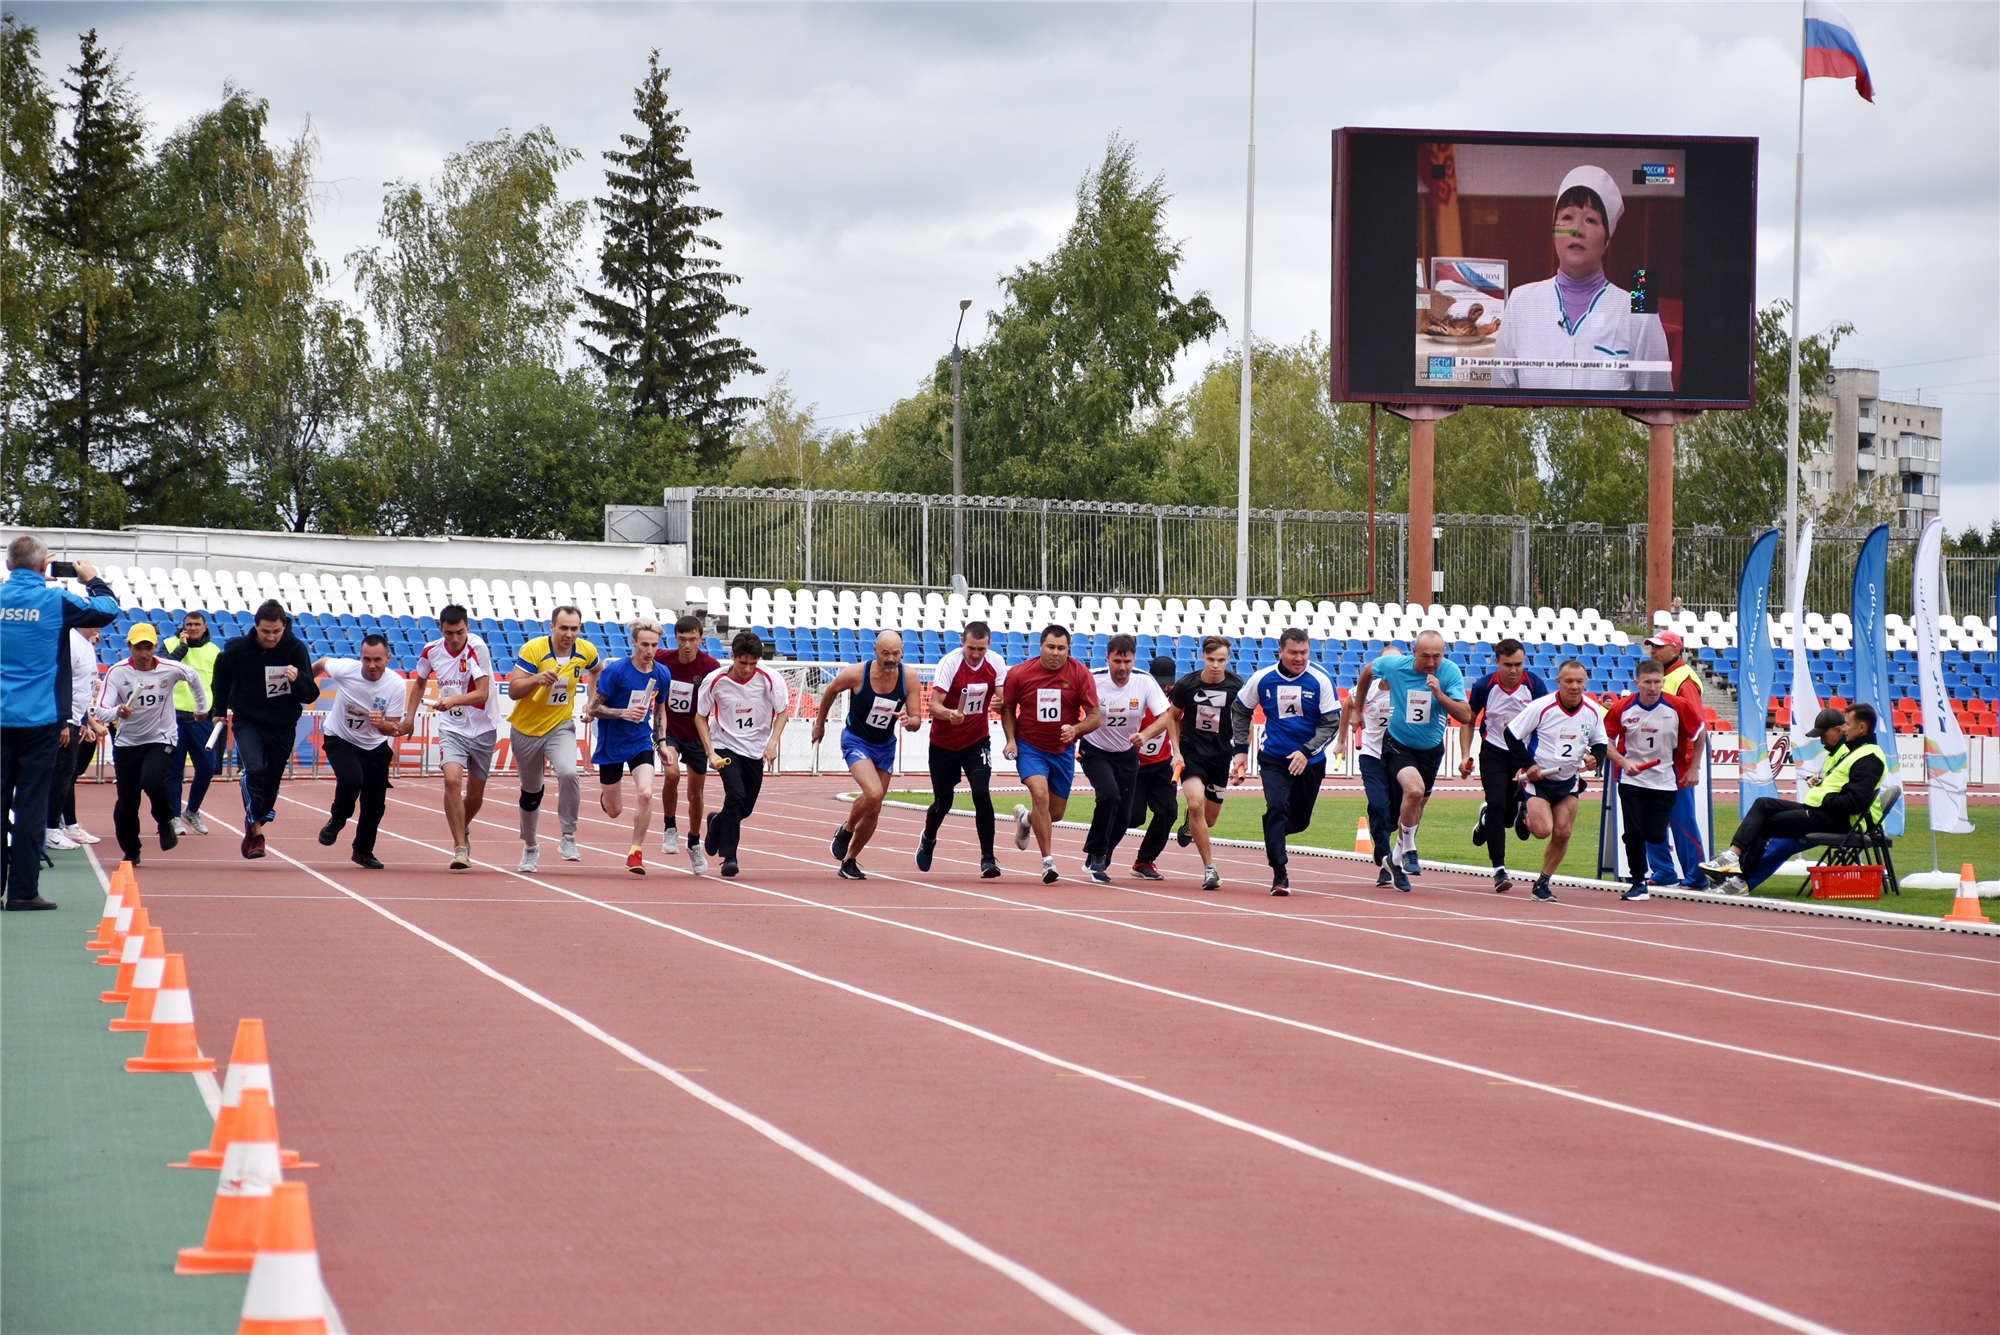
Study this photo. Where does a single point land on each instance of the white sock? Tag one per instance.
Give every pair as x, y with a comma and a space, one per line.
1406, 839
1049, 861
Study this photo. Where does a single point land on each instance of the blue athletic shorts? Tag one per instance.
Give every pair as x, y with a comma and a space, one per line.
1553, 791
1058, 767
881, 754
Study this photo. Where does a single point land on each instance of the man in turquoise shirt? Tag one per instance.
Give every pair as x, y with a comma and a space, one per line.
1425, 689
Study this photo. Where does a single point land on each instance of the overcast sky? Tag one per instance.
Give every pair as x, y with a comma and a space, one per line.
875, 163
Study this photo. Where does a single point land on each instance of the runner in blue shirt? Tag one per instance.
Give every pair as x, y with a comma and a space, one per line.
1425, 688
1301, 715
624, 701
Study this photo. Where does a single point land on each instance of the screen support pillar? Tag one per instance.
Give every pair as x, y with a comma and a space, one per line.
1660, 424
1423, 587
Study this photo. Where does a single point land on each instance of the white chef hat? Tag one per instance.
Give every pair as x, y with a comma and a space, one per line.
1599, 180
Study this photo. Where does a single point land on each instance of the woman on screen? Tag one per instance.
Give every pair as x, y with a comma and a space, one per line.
1578, 316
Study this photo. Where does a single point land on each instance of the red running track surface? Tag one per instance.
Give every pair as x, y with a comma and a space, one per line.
934, 1102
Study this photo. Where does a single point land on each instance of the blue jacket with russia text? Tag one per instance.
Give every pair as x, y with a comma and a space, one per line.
35, 620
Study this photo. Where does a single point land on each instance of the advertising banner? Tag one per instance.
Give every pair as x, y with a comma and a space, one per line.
1808, 752
1944, 743
1869, 612
1754, 669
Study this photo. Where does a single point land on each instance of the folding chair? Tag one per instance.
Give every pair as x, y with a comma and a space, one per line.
1866, 845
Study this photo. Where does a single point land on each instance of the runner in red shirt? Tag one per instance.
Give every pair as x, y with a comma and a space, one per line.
1045, 705
964, 691
689, 665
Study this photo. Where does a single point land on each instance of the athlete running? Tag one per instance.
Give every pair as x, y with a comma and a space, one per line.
368, 711
1301, 715
624, 700
1556, 740
1110, 755
138, 696
1683, 825
550, 673
689, 665
884, 692
1154, 791
1200, 704
1061, 700
1652, 738
462, 666
1364, 743
964, 690
1495, 699
740, 715
1425, 688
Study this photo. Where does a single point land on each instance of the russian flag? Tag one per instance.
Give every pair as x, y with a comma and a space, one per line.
1831, 50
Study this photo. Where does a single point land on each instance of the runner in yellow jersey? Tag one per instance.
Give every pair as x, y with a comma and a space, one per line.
551, 673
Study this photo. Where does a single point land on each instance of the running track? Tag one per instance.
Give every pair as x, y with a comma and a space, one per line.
588, 1101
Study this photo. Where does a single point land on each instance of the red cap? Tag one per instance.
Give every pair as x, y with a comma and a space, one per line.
1671, 638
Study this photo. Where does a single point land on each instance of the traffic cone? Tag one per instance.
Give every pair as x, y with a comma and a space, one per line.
107, 926
1364, 840
138, 1016
249, 1068
128, 905
170, 1040
120, 991
242, 1195
1965, 905
286, 1296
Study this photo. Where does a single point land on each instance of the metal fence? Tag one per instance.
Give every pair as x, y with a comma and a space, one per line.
1015, 545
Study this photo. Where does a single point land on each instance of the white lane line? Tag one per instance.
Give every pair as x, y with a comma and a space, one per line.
1708, 1288
1048, 1291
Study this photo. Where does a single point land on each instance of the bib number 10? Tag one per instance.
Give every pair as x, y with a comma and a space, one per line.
1048, 705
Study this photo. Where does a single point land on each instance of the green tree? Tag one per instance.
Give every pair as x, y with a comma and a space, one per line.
27, 159
1083, 346
661, 314
781, 446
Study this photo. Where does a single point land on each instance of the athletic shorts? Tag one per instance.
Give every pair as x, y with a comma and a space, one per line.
1058, 767
475, 753
854, 749
1213, 771
1396, 757
693, 759
611, 771
1553, 791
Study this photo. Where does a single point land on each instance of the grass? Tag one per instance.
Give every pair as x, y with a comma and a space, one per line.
1447, 837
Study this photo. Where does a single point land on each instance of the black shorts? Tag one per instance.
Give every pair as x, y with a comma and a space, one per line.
693, 759
1553, 791
1396, 757
613, 772
1213, 771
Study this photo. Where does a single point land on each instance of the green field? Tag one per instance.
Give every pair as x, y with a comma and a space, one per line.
1447, 837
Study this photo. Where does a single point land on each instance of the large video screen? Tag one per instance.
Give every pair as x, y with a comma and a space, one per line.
1540, 270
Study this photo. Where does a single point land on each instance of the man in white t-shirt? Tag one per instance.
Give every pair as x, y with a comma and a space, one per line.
740, 713
1366, 741
139, 697
1110, 757
1555, 741
369, 710
462, 666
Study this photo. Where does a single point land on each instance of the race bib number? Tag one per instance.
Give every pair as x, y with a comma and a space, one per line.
680, 697
143, 700
1048, 704
744, 718
1290, 702
881, 713
1154, 747
357, 719
276, 683
1647, 741
972, 700
1208, 718
559, 691
1417, 707
456, 713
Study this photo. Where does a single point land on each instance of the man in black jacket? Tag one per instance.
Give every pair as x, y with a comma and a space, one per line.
265, 681
1849, 779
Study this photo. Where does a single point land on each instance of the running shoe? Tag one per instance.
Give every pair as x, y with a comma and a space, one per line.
368, 860
850, 870
1399, 878
169, 836
1542, 892
635, 862
78, 833
461, 858
250, 847
27, 905
708, 832
566, 849
1182, 837
729, 867
193, 820
1146, 871
1479, 825
1281, 884
670, 840
328, 833
1411, 864
926, 845
697, 860
1020, 826
1502, 882
531, 858
1521, 830
1100, 875
1733, 885
180, 826
989, 869
56, 839
1048, 871
1211, 879
842, 837
1723, 865
1636, 893
1382, 875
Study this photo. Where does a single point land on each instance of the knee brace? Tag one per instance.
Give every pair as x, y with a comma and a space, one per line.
530, 801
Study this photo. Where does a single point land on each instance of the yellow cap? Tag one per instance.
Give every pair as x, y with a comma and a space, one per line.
142, 633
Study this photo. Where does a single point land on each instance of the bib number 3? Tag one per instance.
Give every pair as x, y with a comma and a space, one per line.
1417, 707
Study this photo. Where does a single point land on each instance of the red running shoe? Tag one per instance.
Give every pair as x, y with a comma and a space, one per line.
635, 862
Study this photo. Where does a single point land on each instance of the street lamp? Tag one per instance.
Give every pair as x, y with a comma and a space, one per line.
958, 453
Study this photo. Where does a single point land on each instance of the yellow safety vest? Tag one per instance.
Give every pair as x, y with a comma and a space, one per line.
1838, 766
201, 658
1678, 673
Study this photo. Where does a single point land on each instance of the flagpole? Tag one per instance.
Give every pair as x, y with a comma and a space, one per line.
1792, 386
1243, 410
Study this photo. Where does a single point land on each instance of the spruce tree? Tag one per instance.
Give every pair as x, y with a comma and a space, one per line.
665, 298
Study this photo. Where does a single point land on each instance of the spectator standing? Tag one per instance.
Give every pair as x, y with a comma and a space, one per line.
194, 647
79, 741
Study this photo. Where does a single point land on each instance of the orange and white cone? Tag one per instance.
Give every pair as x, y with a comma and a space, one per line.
249, 1068
1965, 904
146, 976
287, 1295
127, 906
170, 1040
107, 925
1364, 840
120, 990
250, 1173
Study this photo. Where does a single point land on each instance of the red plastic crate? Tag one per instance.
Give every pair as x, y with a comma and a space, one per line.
1846, 882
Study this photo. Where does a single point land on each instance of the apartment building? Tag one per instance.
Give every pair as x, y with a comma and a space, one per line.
1872, 437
